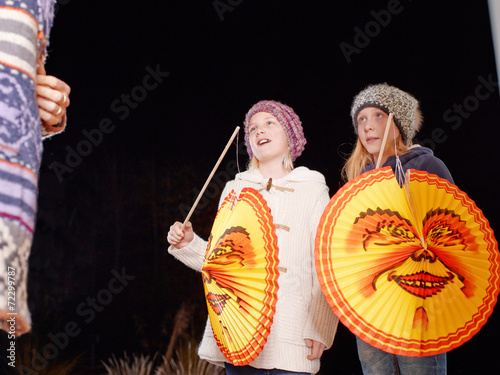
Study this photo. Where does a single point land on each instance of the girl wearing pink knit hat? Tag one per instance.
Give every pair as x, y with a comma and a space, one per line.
304, 324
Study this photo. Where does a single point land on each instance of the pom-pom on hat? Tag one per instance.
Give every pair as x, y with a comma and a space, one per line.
390, 99
287, 118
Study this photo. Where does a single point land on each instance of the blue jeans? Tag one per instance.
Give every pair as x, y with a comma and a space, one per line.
249, 370
377, 362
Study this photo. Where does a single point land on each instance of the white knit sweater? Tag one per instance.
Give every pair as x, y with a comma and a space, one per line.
302, 311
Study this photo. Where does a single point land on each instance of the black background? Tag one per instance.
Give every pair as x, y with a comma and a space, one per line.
108, 205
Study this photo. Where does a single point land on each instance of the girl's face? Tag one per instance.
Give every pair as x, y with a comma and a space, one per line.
371, 128
267, 137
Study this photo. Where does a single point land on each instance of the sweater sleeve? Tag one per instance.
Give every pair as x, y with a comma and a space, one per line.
321, 321
193, 254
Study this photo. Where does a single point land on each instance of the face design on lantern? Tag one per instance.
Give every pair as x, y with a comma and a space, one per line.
417, 266
228, 250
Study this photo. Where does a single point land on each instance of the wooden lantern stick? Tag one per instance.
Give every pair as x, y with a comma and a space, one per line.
210, 176
386, 133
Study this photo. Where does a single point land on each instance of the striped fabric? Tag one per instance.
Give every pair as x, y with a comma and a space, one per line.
23, 26
18, 40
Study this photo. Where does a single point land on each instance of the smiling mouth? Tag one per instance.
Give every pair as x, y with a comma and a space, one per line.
263, 142
421, 284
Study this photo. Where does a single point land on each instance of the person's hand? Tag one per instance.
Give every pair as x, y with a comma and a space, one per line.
52, 96
179, 237
317, 349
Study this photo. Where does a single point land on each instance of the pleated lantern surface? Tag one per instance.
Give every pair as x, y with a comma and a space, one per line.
411, 270
240, 275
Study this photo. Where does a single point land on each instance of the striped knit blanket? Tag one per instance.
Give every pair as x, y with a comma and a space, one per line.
24, 30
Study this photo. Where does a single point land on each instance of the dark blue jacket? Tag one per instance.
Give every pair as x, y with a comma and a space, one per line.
419, 158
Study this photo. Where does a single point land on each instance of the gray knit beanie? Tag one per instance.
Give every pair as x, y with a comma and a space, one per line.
390, 99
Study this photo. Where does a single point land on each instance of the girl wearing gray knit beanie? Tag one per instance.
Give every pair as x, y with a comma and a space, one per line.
303, 325
370, 111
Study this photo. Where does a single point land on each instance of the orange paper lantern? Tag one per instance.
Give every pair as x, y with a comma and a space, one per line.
240, 275
411, 270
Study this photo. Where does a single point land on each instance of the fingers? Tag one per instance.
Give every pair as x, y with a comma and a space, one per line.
48, 105
176, 233
52, 98
53, 83
51, 113
317, 349
179, 235
57, 93
48, 117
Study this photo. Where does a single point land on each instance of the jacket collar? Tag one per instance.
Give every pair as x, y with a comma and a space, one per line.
299, 174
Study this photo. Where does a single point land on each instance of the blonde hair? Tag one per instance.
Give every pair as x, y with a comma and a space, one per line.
287, 162
360, 158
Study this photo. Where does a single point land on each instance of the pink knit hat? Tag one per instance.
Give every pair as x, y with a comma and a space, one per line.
287, 118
